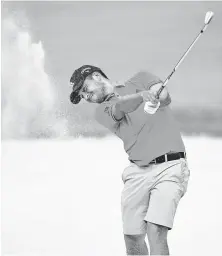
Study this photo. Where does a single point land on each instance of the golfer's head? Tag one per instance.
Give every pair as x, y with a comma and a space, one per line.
90, 83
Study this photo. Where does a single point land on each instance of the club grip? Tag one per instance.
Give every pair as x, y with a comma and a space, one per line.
159, 91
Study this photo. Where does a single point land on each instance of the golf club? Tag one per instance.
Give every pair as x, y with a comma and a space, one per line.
151, 108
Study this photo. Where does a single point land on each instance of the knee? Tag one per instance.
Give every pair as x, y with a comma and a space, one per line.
135, 244
156, 232
132, 240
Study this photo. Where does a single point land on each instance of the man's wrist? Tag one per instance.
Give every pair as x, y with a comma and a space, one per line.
141, 95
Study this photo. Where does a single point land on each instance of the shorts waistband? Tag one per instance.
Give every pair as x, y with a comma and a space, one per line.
167, 157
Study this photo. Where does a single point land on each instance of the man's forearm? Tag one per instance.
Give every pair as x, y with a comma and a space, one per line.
129, 103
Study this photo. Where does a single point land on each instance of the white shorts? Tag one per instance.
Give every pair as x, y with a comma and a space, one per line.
152, 194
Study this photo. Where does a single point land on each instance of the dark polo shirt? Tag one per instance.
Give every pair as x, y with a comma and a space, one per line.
145, 136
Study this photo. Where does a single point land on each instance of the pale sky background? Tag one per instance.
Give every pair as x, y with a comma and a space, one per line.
123, 37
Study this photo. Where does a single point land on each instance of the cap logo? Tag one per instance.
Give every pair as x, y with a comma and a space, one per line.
71, 83
85, 70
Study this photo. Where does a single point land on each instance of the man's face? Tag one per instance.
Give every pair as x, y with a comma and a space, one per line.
96, 88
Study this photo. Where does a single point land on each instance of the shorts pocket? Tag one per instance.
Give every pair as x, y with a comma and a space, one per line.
127, 171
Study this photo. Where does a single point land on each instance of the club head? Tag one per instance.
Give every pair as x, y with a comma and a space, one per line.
208, 17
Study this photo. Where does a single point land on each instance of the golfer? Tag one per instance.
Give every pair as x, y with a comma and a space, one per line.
157, 176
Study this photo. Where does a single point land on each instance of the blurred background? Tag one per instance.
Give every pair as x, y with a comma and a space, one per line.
61, 196
44, 42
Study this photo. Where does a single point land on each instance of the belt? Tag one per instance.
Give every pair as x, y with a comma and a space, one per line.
167, 157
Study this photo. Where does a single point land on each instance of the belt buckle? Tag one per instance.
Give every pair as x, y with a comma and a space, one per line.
183, 155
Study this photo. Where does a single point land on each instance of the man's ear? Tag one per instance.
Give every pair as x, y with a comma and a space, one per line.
96, 76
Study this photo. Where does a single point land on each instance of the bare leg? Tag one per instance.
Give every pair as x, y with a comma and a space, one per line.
136, 245
157, 236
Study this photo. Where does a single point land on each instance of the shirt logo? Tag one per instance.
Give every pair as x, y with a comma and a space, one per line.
85, 70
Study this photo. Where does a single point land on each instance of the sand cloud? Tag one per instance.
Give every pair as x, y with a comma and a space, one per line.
28, 95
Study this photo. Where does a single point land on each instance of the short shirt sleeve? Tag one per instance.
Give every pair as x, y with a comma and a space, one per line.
143, 80
105, 117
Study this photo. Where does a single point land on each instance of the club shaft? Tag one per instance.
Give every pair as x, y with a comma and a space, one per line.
181, 59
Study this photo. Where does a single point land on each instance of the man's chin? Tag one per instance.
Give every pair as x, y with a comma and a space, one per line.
100, 100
